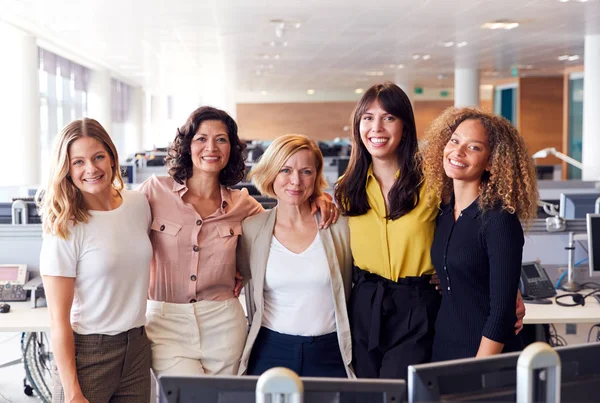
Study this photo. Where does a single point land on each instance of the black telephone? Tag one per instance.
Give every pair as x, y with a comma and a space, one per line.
535, 282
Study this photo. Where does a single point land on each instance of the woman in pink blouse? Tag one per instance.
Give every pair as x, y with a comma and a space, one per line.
195, 322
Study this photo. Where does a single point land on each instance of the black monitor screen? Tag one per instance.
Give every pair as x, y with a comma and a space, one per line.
531, 271
593, 230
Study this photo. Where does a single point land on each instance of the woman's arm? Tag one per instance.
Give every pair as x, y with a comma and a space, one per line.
59, 293
503, 237
489, 347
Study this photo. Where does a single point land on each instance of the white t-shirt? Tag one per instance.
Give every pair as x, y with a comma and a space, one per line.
298, 299
109, 256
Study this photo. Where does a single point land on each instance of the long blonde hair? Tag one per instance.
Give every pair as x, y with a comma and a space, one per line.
62, 202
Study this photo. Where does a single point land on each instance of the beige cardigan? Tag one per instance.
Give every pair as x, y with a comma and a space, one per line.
252, 255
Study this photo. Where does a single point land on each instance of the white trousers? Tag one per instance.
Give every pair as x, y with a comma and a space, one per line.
206, 337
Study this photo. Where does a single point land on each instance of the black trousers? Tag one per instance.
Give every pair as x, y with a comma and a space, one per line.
392, 324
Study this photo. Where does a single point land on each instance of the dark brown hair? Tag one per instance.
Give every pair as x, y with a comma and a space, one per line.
179, 160
351, 192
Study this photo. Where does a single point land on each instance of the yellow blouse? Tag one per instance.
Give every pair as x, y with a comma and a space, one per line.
393, 248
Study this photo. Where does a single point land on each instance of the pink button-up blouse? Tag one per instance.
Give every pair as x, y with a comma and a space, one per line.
193, 256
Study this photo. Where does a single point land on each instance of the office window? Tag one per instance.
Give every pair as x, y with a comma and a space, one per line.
63, 98
123, 132
575, 124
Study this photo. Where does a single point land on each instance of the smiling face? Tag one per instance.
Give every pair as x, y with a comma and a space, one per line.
467, 153
210, 147
295, 182
90, 167
380, 132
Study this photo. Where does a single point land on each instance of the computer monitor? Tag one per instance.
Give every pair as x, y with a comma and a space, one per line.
242, 389
579, 374
577, 205
494, 379
593, 233
491, 379
33, 215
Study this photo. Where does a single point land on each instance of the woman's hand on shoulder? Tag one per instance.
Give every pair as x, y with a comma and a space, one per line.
328, 209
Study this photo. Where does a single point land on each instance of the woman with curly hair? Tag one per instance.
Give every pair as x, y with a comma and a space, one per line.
478, 165
195, 322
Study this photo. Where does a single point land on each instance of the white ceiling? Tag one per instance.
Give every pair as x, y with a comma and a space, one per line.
183, 43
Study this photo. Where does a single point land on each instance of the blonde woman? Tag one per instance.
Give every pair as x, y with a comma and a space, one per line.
478, 165
94, 262
301, 275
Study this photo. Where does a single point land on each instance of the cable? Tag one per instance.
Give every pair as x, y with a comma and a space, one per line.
555, 340
590, 332
582, 261
560, 279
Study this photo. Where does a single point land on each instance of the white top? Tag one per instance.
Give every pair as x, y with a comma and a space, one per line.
109, 256
298, 298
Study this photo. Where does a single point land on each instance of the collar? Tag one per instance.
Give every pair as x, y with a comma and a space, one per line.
371, 175
181, 189
472, 210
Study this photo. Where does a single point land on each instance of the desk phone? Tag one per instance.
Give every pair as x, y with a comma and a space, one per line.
12, 279
535, 282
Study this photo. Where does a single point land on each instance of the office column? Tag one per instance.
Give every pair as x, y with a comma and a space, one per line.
591, 108
466, 87
20, 136
405, 85
100, 98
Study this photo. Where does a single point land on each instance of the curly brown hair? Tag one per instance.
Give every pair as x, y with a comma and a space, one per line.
511, 183
179, 160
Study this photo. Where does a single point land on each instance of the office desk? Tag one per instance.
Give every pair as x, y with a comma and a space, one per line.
22, 318
553, 313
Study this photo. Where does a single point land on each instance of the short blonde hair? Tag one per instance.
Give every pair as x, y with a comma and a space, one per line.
263, 174
62, 202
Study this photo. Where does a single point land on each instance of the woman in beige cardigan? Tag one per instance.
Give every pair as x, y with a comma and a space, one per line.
301, 276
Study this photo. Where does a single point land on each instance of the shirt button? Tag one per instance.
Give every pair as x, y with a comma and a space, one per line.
193, 277
162, 227
199, 222
192, 301
230, 231
196, 248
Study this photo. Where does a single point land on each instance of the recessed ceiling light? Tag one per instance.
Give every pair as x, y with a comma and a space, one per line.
263, 92
426, 57
500, 24
461, 44
359, 91
400, 66
448, 44
416, 56
569, 58
310, 92
374, 73
276, 57
564, 1
278, 44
